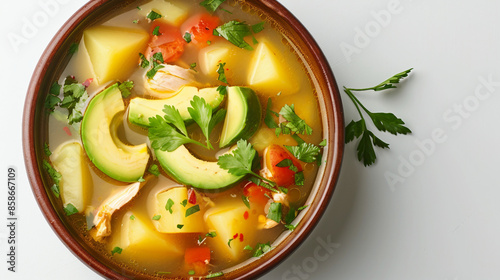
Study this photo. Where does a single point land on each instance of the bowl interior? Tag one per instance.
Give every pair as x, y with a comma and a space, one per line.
35, 134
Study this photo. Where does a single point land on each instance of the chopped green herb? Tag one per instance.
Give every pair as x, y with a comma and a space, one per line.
192, 66
256, 28
187, 37
139, 8
156, 61
290, 216
275, 212
229, 242
152, 72
222, 90
211, 234
73, 48
70, 209
156, 31
55, 190
180, 226
285, 163
209, 42
295, 123
382, 121
173, 116
222, 74
153, 169
184, 202
164, 137
213, 275
248, 248
156, 217
193, 209
201, 113
132, 217
269, 119
305, 152
191, 272
261, 249
322, 143
211, 5
299, 178
56, 176
75, 96
141, 179
153, 15
302, 207
46, 149
168, 205
283, 190
116, 250
144, 61
135, 21
298, 139
245, 200
235, 32
125, 88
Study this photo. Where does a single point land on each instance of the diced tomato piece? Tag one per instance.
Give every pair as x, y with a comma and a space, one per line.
191, 196
241, 237
197, 254
282, 176
246, 215
256, 194
201, 28
170, 42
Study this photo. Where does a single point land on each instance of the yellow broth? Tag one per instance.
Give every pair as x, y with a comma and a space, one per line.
306, 106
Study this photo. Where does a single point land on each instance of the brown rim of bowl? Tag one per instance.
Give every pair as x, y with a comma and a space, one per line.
335, 121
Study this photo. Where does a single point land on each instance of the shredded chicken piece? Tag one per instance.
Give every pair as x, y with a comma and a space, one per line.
171, 78
265, 223
282, 198
102, 219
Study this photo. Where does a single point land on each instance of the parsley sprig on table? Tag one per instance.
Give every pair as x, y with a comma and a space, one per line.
169, 132
385, 122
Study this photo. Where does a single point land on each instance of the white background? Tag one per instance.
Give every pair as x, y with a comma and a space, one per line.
439, 221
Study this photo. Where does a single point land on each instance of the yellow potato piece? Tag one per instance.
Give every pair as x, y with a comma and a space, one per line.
209, 58
269, 73
76, 183
112, 51
227, 221
168, 223
174, 14
266, 136
139, 240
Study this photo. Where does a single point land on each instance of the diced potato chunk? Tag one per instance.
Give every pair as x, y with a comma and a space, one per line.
174, 14
211, 56
111, 48
138, 239
76, 183
171, 223
229, 222
269, 73
266, 136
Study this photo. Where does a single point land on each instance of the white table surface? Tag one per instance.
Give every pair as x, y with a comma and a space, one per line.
439, 221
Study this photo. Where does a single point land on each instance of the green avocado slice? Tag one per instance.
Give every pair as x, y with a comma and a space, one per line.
141, 109
107, 152
243, 116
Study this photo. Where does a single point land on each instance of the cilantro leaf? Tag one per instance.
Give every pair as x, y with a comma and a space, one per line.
222, 90
261, 249
153, 15
179, 226
144, 61
245, 201
193, 209
299, 178
52, 98
211, 5
295, 123
55, 190
116, 250
201, 113
73, 48
153, 169
184, 202
275, 212
187, 37
290, 216
164, 137
385, 122
173, 116
168, 205
240, 161
235, 32
269, 120
156, 217
214, 275
56, 176
222, 74
125, 88
211, 234
70, 209
305, 152
256, 28
46, 149
75, 96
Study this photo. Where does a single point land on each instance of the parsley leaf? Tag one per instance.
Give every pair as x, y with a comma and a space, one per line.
156, 217
132, 217
164, 137
211, 5
179, 226
153, 15
125, 88
213, 275
235, 32
385, 122
299, 178
187, 37
70, 209
116, 250
144, 61
256, 28
290, 216
245, 201
192, 66
248, 248
190, 211
229, 242
222, 74
46, 149
269, 120
275, 212
173, 116
295, 123
156, 61
184, 202
305, 152
222, 89
156, 31
153, 169
201, 113
261, 249
168, 205
73, 48
55, 190
75, 96
211, 234
56, 176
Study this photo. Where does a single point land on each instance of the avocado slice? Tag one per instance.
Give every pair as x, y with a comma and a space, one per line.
141, 109
243, 115
189, 170
109, 154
